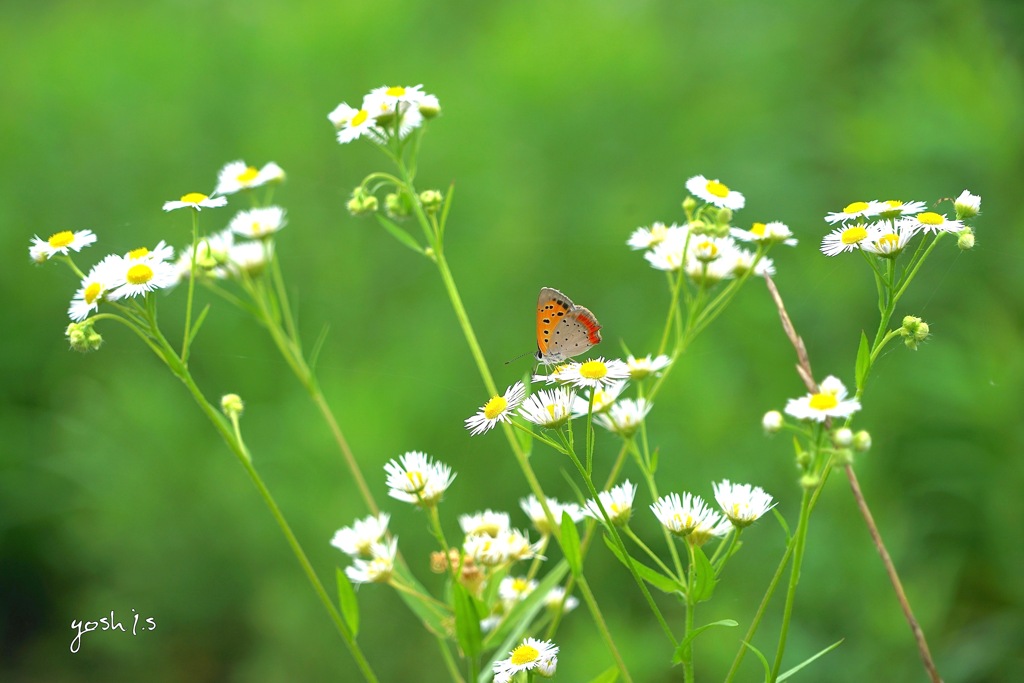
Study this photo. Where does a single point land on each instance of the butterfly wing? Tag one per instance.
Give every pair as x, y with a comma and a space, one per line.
552, 307
564, 329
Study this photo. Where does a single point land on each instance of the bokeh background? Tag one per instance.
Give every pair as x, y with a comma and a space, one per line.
565, 126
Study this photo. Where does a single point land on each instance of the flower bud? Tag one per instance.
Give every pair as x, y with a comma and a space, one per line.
689, 204
914, 331
842, 437
83, 337
431, 200
967, 205
397, 206
772, 421
862, 441
430, 107
698, 227
803, 460
724, 217
232, 405
810, 481
361, 203
965, 240
843, 456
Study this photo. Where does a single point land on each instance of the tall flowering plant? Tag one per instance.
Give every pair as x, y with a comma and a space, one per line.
506, 585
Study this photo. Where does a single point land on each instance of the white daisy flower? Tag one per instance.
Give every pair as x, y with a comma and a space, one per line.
854, 210
161, 252
894, 208
212, 254
95, 285
526, 657
258, 223
414, 478
549, 408
488, 522
492, 551
713, 272
59, 243
546, 667
967, 205
932, 222
358, 540
237, 175
625, 417
429, 106
618, 503
556, 599
830, 401
249, 258
886, 239
669, 255
604, 398
742, 504
596, 374
706, 248
518, 547
498, 409
641, 368
714, 192
195, 200
743, 261
353, 123
135, 276
378, 568
844, 238
531, 506
683, 515
514, 589
648, 238
767, 233
385, 102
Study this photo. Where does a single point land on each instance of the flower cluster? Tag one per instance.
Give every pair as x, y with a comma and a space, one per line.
373, 557
537, 656
690, 517
885, 228
385, 112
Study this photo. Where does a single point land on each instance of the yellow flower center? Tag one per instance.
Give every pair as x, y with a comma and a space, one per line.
135, 254
359, 118
524, 654
193, 197
246, 176
61, 239
416, 481
551, 411
658, 233
91, 292
614, 510
894, 203
708, 249
139, 274
854, 235
718, 189
758, 229
491, 529
395, 91
519, 585
855, 207
824, 401
495, 407
931, 218
593, 369
889, 242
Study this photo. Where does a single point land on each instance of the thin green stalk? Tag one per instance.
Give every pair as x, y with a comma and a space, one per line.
650, 553
691, 607
794, 579
602, 627
186, 337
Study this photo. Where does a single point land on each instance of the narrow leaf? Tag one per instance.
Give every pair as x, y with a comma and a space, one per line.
571, 544
399, 234
318, 345
782, 522
467, 622
348, 603
609, 676
703, 577
654, 460
680, 654
432, 615
764, 660
663, 583
198, 323
863, 361
786, 674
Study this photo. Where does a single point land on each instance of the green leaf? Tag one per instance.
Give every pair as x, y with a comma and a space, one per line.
431, 614
609, 676
764, 660
571, 545
467, 622
863, 361
703, 577
680, 654
663, 583
348, 603
398, 233
782, 522
198, 323
318, 345
783, 676
654, 460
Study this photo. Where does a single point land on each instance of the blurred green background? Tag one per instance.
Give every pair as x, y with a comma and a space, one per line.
566, 125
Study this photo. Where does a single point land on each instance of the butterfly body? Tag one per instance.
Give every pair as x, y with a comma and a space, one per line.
564, 329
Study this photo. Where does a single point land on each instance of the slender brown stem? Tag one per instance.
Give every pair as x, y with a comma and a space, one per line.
894, 578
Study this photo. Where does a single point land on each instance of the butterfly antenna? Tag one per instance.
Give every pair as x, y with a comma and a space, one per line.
518, 357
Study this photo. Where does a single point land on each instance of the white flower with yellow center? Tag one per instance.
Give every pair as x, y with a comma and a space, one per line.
830, 401
743, 261
249, 258
556, 599
211, 256
707, 249
648, 238
161, 252
141, 271
386, 102
844, 238
854, 210
414, 478
625, 417
498, 409
358, 540
886, 239
669, 255
932, 222
237, 175
513, 589
100, 280
488, 523
378, 568
618, 503
967, 205
531, 506
742, 504
713, 272
59, 243
683, 515
714, 192
549, 408
353, 123
766, 233
642, 368
604, 399
491, 551
195, 200
894, 208
518, 547
258, 223
596, 374
527, 656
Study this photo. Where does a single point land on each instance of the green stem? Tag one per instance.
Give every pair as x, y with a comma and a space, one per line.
794, 579
185, 340
690, 609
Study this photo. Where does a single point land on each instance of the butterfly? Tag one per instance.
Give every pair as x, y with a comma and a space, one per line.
564, 329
